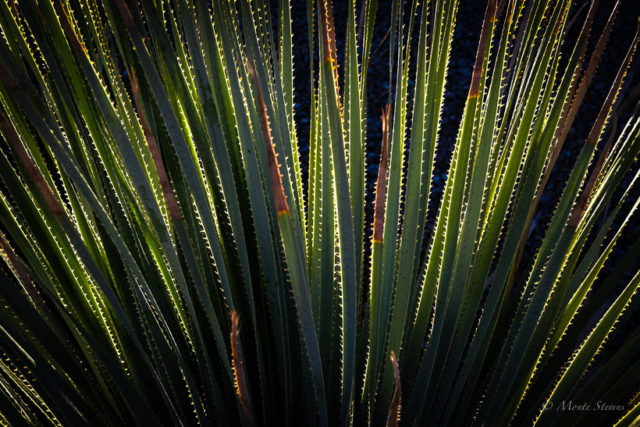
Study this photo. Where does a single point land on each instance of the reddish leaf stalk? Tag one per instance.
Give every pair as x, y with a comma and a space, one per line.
329, 44
328, 34
27, 162
596, 130
381, 182
489, 19
71, 35
242, 388
280, 199
172, 205
127, 18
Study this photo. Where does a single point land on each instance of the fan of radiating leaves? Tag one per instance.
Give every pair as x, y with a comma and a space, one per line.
163, 261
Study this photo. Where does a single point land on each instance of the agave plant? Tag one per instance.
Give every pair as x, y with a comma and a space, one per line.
169, 256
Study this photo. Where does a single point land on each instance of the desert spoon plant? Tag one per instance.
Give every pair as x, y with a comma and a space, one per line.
168, 257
